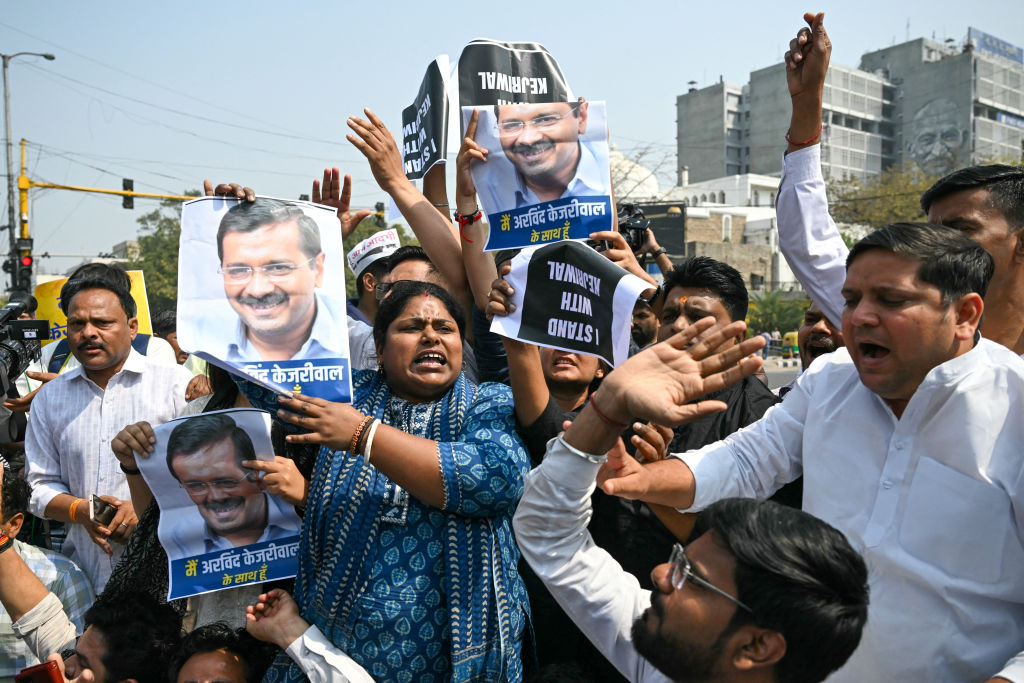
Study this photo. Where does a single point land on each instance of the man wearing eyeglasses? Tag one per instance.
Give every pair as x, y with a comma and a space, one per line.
272, 265
205, 454
764, 593
542, 142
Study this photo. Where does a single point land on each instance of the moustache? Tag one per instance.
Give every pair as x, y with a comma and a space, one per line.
532, 148
92, 345
266, 301
822, 344
223, 505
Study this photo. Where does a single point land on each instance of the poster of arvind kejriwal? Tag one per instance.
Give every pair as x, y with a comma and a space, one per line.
218, 524
261, 293
546, 177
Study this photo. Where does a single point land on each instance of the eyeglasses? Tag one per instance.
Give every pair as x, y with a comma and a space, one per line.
199, 488
271, 271
514, 127
681, 571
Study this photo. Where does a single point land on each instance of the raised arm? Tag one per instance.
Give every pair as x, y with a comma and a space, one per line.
433, 230
808, 237
480, 267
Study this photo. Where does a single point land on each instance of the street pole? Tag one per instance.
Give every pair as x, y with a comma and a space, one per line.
11, 178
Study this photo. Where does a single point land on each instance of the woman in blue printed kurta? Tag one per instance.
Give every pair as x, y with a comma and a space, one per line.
408, 563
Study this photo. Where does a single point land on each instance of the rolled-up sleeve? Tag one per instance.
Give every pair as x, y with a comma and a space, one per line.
483, 472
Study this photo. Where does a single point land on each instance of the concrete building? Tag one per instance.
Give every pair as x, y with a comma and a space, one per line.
939, 105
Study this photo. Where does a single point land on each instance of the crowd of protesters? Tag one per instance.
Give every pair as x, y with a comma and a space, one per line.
487, 510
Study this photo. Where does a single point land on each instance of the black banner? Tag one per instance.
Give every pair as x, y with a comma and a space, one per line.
491, 72
425, 124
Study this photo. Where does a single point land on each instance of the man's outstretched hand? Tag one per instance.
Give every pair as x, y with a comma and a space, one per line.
661, 383
337, 192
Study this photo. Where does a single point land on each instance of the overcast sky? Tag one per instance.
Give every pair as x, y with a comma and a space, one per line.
259, 91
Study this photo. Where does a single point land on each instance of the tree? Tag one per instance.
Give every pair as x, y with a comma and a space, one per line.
159, 232
771, 310
890, 197
367, 227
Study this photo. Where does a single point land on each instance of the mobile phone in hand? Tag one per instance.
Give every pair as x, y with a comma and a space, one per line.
100, 511
47, 672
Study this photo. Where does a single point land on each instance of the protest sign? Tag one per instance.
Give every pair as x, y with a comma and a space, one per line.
261, 293
569, 297
547, 176
493, 72
425, 122
48, 296
220, 529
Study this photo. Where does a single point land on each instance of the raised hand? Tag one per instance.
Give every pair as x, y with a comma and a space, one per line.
331, 424
275, 619
470, 151
661, 383
378, 145
229, 190
337, 192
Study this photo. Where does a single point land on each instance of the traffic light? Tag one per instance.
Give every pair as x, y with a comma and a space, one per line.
23, 274
127, 201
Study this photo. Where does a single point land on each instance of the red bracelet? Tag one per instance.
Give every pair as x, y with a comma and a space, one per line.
604, 418
463, 221
807, 141
5, 542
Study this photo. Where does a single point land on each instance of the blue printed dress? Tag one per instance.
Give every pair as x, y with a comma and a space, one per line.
409, 591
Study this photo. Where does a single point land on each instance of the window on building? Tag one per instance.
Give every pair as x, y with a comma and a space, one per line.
727, 228
757, 198
721, 197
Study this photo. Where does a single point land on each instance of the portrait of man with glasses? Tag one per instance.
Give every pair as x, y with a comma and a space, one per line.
206, 456
272, 267
553, 150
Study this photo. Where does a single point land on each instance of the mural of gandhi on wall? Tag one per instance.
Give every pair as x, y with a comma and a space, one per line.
937, 137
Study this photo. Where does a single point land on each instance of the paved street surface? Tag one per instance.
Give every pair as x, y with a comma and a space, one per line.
779, 376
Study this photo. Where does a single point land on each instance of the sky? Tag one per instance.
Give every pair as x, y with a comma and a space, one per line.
258, 92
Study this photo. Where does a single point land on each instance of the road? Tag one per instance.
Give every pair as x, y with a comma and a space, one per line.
779, 376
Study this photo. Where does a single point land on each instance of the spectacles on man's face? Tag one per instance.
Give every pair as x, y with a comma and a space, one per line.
512, 127
681, 571
271, 271
199, 488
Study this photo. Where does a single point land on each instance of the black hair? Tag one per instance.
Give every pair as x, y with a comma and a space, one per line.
250, 216
16, 492
409, 252
573, 106
201, 431
398, 297
724, 281
378, 268
799, 576
165, 322
254, 655
948, 259
139, 632
1004, 184
109, 276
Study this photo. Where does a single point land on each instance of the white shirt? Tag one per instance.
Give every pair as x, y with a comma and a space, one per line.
934, 501
323, 662
67, 447
589, 585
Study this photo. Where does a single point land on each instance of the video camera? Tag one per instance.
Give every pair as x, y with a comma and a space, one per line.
633, 225
19, 342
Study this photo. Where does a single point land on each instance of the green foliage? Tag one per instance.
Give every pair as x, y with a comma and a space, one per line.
890, 197
159, 231
368, 226
771, 310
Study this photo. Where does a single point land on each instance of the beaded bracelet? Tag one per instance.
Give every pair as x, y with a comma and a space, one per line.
358, 433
